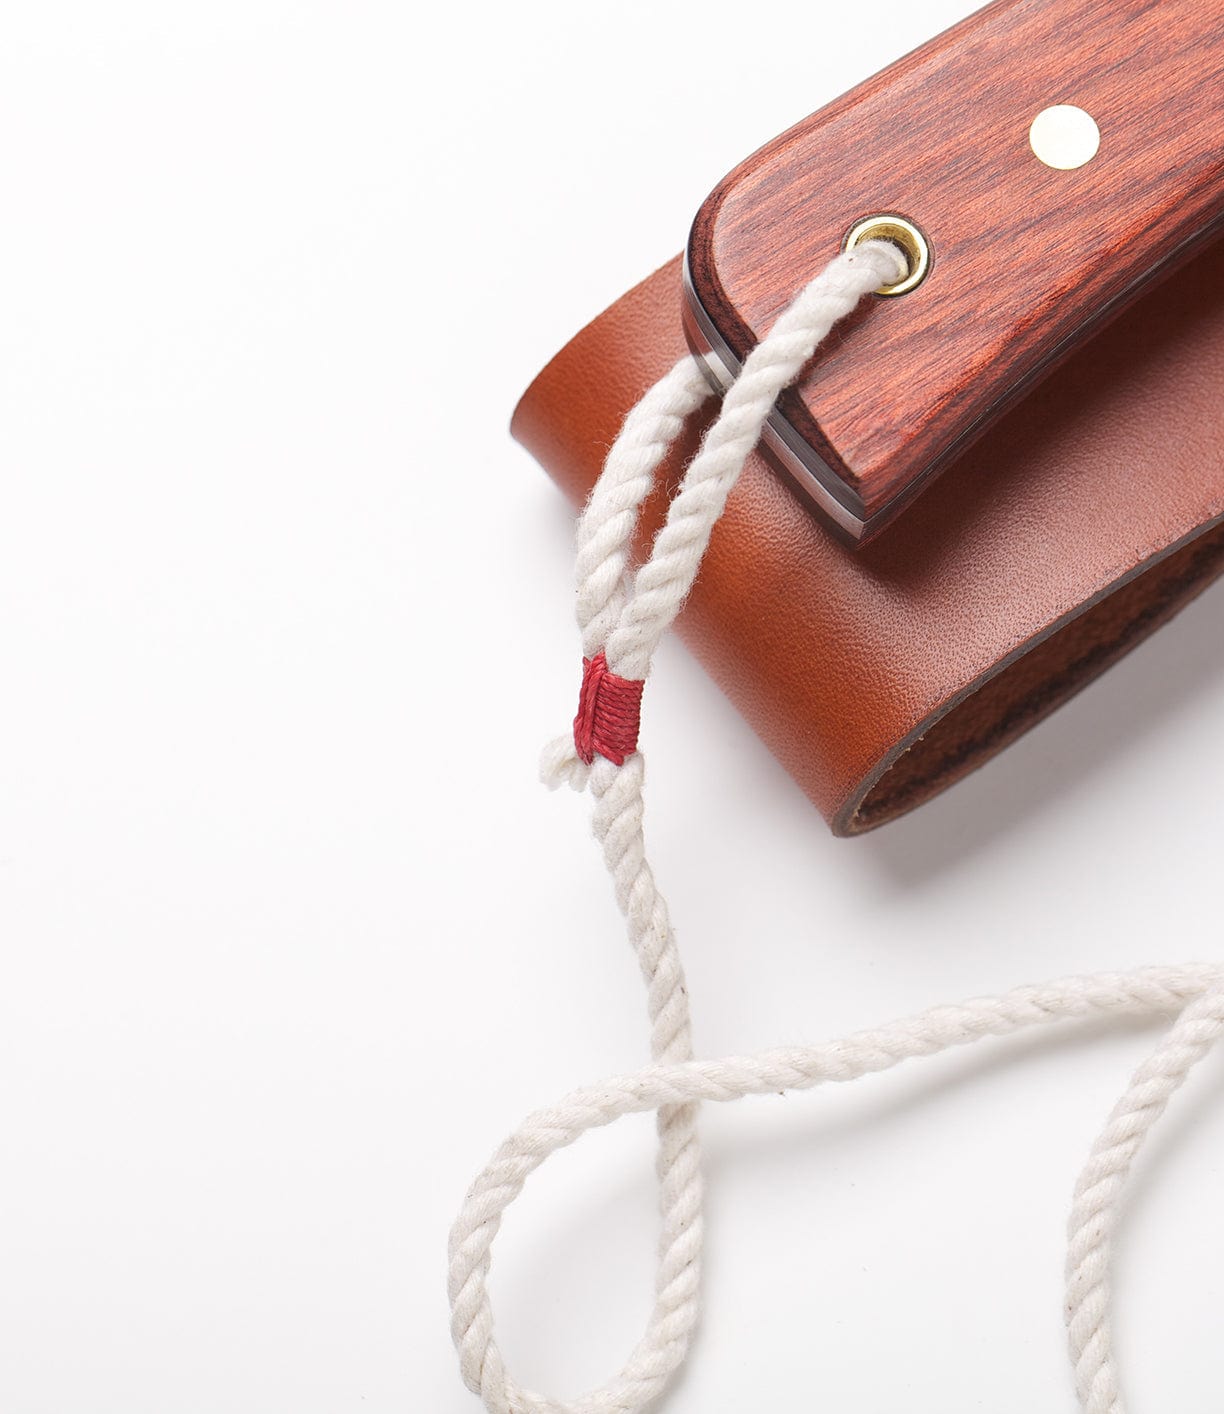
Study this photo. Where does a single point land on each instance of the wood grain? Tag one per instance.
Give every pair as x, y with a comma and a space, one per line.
1028, 261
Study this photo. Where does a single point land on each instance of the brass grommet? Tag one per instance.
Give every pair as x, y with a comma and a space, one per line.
903, 234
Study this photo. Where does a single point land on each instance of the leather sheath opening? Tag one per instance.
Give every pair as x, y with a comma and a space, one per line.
1004, 705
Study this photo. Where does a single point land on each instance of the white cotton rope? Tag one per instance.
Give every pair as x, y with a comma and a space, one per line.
624, 615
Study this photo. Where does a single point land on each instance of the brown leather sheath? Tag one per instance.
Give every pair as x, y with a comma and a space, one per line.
878, 676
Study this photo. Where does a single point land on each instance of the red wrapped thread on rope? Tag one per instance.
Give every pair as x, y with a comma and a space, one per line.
609, 713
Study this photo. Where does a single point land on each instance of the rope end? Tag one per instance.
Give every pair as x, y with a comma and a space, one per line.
560, 766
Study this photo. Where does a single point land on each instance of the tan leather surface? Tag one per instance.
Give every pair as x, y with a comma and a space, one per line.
881, 675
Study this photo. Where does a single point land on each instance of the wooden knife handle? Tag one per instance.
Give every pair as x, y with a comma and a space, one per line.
1027, 260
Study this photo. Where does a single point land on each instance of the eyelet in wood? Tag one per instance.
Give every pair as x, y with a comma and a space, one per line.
904, 234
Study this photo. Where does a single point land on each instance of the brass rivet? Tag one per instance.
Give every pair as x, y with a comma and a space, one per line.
1065, 137
903, 234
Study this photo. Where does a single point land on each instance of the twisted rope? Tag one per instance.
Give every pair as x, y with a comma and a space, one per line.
622, 618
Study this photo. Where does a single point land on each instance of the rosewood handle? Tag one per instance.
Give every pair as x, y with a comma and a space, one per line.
1028, 260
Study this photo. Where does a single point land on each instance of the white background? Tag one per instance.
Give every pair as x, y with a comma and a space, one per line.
291, 936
